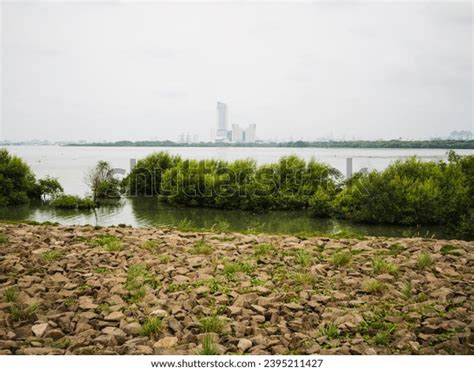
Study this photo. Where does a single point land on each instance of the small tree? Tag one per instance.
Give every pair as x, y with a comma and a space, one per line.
101, 181
50, 187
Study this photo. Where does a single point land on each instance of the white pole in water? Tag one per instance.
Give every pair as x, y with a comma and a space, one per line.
133, 163
348, 167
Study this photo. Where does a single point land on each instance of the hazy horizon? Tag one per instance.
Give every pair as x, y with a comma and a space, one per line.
139, 71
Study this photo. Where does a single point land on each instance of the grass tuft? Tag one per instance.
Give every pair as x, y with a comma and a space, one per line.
10, 294
424, 260
263, 249
51, 255
341, 259
211, 324
202, 248
152, 326
381, 266
208, 347
372, 286
108, 242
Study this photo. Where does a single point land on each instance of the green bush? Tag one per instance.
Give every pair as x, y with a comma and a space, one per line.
413, 192
17, 181
102, 183
73, 202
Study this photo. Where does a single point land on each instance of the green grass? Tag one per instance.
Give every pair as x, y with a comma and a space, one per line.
395, 249
151, 326
10, 294
231, 268
372, 286
208, 347
51, 255
3, 238
102, 270
380, 265
202, 248
424, 260
138, 278
22, 313
211, 324
341, 259
303, 258
164, 259
109, 243
304, 279
150, 245
263, 249
139, 275
450, 250
407, 291
330, 330
376, 329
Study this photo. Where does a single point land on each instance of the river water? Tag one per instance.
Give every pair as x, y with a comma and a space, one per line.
69, 165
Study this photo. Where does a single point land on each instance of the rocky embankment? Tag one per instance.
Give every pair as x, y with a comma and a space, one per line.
81, 290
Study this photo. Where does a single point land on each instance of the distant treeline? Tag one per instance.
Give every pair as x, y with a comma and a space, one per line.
440, 144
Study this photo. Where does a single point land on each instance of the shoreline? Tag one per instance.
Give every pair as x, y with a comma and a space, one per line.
124, 290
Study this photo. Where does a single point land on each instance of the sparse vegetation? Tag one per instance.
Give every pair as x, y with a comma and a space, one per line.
109, 243
330, 330
303, 258
202, 248
51, 255
10, 294
450, 250
22, 312
263, 249
424, 260
380, 265
372, 286
3, 238
211, 324
341, 259
151, 326
407, 290
208, 346
150, 245
231, 268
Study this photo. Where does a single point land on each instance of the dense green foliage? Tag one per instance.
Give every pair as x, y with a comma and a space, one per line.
102, 183
18, 184
50, 187
413, 192
395, 143
73, 202
409, 192
286, 185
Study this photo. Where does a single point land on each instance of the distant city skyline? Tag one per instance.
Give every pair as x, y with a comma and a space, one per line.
108, 71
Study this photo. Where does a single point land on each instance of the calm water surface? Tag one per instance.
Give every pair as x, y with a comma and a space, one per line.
69, 165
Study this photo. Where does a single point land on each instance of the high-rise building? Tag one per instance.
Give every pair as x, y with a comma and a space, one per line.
237, 134
250, 133
222, 121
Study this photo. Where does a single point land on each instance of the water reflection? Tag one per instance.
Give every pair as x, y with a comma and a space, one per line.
144, 212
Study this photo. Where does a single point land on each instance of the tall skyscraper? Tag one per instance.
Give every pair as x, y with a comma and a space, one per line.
237, 134
222, 121
250, 133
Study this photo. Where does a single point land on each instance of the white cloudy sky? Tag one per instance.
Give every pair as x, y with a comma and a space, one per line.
146, 70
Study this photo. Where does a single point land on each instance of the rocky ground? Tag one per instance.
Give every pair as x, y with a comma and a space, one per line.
81, 290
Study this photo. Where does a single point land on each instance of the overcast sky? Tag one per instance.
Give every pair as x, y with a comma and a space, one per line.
111, 71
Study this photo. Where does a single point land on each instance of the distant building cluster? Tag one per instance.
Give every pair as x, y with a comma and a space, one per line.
237, 134
188, 139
